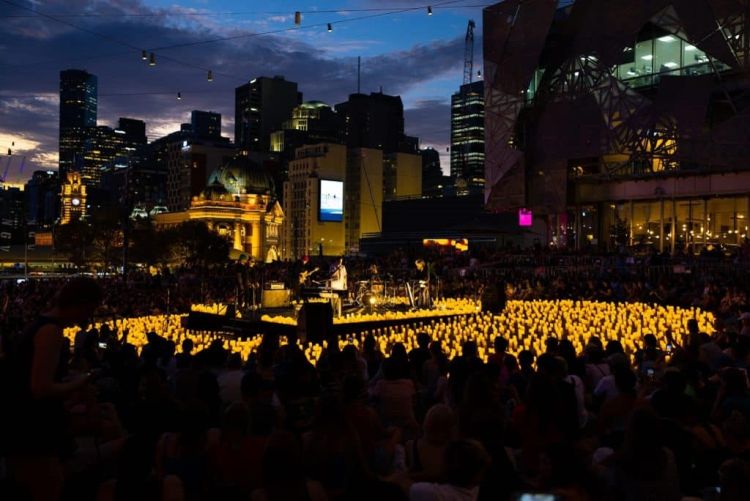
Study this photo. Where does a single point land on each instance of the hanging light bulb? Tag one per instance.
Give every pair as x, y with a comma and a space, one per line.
144, 56
152, 60
179, 96
297, 18
210, 76
479, 73
429, 10
330, 28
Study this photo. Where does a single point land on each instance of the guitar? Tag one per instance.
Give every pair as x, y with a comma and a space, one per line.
306, 274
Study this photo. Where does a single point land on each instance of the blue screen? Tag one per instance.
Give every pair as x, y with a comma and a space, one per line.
331, 200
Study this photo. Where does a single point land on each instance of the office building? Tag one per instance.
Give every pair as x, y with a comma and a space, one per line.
375, 121
41, 196
78, 108
432, 173
134, 131
137, 184
261, 107
402, 175
467, 134
205, 124
334, 196
188, 159
623, 132
310, 123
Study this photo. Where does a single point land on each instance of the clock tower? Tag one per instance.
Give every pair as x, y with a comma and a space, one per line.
72, 198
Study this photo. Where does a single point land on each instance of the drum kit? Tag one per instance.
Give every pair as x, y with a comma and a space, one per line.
372, 293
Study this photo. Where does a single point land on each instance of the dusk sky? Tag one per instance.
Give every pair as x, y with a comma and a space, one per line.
411, 54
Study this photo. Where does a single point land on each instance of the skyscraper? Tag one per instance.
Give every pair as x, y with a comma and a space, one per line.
78, 103
135, 130
206, 124
261, 107
375, 121
467, 134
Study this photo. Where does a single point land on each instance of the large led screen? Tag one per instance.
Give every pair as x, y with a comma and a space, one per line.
331, 200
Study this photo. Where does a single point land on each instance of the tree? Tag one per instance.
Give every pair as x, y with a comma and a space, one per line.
107, 238
196, 245
72, 240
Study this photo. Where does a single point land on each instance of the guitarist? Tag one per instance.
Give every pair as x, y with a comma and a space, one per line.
300, 275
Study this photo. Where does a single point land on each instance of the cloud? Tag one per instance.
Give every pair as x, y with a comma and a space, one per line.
37, 49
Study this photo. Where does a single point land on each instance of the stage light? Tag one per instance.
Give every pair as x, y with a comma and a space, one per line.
373, 301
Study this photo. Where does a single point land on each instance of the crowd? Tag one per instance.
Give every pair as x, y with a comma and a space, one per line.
96, 419
99, 418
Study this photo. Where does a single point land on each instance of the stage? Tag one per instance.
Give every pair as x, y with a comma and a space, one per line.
286, 321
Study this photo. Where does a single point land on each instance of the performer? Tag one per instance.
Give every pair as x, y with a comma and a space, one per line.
339, 285
241, 280
424, 274
299, 276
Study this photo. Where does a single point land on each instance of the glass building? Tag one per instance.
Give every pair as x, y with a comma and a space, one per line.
629, 130
78, 107
467, 134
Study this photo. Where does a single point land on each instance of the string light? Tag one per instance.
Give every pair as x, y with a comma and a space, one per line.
297, 18
210, 76
179, 96
429, 10
330, 27
152, 60
144, 56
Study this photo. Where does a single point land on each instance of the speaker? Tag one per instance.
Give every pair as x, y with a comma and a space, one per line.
494, 298
276, 298
315, 322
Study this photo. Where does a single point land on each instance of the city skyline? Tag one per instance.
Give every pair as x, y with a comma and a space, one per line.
422, 64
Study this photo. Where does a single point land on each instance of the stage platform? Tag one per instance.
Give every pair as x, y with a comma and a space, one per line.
283, 322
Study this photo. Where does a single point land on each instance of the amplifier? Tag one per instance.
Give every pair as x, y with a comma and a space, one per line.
277, 298
274, 286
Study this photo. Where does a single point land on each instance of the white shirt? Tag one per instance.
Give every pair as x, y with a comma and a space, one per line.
338, 279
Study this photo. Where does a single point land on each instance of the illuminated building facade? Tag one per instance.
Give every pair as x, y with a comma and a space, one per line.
261, 106
467, 134
78, 108
364, 173
72, 198
622, 122
239, 204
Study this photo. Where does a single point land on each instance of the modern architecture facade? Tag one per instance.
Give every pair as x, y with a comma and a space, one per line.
78, 109
467, 134
206, 124
261, 107
632, 129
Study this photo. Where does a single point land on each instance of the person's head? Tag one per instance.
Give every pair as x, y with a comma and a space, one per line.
526, 359
369, 344
649, 341
469, 349
501, 344
613, 347
733, 475
187, 346
78, 299
423, 340
551, 344
734, 381
465, 463
625, 380
439, 424
282, 461
692, 326
234, 361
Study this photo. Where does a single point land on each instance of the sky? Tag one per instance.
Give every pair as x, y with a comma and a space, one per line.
404, 52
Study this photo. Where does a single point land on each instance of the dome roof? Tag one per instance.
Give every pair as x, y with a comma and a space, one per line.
241, 176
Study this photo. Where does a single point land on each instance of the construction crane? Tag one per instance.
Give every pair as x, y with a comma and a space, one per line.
469, 53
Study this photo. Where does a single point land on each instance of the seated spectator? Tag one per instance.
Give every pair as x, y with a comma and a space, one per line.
283, 473
465, 464
395, 397
424, 456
